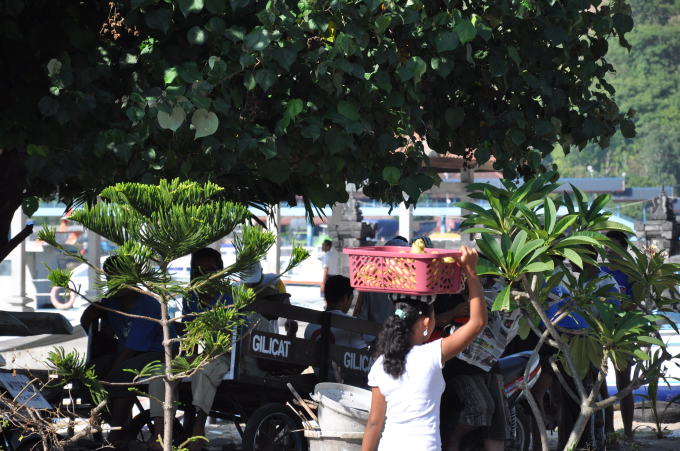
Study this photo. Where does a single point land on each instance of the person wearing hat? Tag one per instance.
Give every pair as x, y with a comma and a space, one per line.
269, 287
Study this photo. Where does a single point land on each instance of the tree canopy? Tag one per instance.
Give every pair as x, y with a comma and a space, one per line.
279, 99
644, 81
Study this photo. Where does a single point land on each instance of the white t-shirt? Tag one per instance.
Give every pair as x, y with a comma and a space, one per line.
338, 336
330, 260
412, 418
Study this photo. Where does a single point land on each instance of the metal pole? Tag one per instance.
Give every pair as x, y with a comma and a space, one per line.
406, 221
273, 261
94, 254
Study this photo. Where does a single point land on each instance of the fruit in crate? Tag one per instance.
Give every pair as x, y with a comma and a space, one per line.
395, 270
418, 246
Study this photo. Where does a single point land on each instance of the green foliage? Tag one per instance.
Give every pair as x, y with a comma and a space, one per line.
651, 277
524, 241
59, 277
212, 330
153, 225
521, 233
643, 84
71, 367
277, 99
522, 237
163, 221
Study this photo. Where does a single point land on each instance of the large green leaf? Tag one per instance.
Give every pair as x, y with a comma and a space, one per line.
473, 207
485, 267
502, 301
573, 256
205, 122
564, 223
265, 78
612, 225
159, 19
349, 110
391, 175
574, 240
528, 247
651, 340
550, 213
539, 267
518, 242
489, 246
465, 30
173, 120
258, 39
190, 6
196, 36
445, 41
598, 204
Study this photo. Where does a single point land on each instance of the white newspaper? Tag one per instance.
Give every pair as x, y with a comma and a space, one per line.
487, 348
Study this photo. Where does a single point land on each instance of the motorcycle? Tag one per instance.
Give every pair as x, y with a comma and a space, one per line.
512, 368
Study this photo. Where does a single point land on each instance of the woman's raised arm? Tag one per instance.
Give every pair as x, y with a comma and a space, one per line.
463, 336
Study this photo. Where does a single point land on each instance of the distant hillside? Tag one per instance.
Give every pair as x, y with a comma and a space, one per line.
648, 81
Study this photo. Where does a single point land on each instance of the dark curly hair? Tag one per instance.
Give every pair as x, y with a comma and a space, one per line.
394, 341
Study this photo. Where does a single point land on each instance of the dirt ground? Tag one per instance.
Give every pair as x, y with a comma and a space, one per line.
224, 437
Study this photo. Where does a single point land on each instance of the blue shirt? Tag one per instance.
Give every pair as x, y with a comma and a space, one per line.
193, 305
137, 334
622, 279
574, 321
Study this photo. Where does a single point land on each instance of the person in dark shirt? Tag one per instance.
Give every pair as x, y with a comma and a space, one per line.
480, 391
139, 342
204, 383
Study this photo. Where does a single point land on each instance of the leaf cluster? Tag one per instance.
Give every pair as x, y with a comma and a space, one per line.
71, 367
527, 236
279, 99
524, 231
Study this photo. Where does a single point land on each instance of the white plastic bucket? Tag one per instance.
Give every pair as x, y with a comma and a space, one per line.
342, 408
333, 441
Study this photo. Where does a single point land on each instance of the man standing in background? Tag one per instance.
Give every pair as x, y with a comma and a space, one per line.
329, 262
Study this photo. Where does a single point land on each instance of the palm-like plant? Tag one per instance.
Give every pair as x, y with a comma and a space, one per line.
524, 238
154, 225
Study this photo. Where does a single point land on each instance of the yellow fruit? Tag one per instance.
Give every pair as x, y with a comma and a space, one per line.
418, 247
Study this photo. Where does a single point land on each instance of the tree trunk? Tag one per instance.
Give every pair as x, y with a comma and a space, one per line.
579, 427
536, 409
11, 186
168, 402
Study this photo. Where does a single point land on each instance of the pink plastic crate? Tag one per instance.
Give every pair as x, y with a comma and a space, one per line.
395, 269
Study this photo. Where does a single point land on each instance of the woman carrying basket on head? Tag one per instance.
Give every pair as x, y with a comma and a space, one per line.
406, 379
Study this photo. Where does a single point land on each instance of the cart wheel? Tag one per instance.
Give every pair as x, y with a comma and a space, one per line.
140, 427
272, 427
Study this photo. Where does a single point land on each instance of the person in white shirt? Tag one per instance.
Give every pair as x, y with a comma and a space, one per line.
329, 262
406, 379
339, 295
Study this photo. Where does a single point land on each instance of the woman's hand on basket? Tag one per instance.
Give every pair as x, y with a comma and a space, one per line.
468, 260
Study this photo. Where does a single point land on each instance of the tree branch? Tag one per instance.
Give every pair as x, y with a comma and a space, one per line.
562, 346
120, 312
536, 410
14, 242
92, 423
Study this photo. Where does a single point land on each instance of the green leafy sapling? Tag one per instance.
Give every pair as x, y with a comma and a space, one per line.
154, 225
